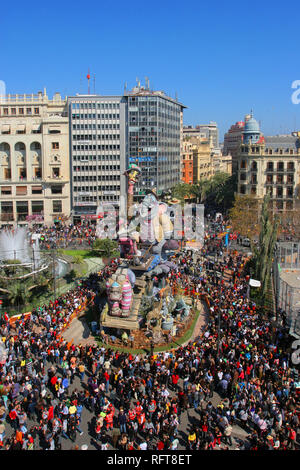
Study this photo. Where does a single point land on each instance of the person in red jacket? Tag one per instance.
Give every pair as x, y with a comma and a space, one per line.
175, 378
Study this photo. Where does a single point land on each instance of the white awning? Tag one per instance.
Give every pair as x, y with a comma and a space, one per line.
5, 128
21, 127
36, 127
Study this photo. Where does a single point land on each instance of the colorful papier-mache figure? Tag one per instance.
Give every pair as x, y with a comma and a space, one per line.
119, 293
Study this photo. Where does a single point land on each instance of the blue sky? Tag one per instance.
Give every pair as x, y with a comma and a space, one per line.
221, 58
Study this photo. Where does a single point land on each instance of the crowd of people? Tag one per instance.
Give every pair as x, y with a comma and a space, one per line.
237, 374
62, 236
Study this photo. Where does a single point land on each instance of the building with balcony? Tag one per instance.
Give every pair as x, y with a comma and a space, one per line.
34, 159
187, 162
269, 165
232, 141
204, 131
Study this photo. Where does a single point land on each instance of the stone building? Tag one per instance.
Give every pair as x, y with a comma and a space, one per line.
34, 159
269, 165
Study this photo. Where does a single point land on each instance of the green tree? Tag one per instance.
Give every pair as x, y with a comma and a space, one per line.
106, 248
200, 190
244, 215
181, 191
18, 293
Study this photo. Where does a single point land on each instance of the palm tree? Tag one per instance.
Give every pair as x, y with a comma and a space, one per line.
264, 253
18, 293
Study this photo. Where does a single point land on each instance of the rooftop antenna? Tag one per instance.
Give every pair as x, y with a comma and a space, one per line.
138, 82
94, 80
125, 87
147, 83
88, 78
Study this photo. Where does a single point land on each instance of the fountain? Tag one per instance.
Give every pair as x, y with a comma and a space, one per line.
14, 244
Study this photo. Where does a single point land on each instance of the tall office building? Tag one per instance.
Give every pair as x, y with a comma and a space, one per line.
34, 159
154, 138
98, 140
107, 133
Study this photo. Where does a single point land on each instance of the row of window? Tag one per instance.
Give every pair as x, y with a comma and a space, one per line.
4, 146
78, 179
96, 147
110, 197
96, 116
270, 179
290, 166
93, 105
97, 188
94, 168
13, 111
22, 173
22, 209
278, 193
96, 126
81, 158
267, 151
24, 190
96, 137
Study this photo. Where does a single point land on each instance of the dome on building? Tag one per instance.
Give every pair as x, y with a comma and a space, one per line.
251, 132
251, 125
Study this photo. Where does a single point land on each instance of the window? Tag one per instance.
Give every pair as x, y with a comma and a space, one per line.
280, 179
270, 166
36, 190
5, 111
55, 145
21, 190
7, 211
280, 166
21, 110
13, 111
22, 210
5, 190
57, 206
28, 111
56, 189
22, 174
38, 173
55, 172
37, 207
36, 110
7, 173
